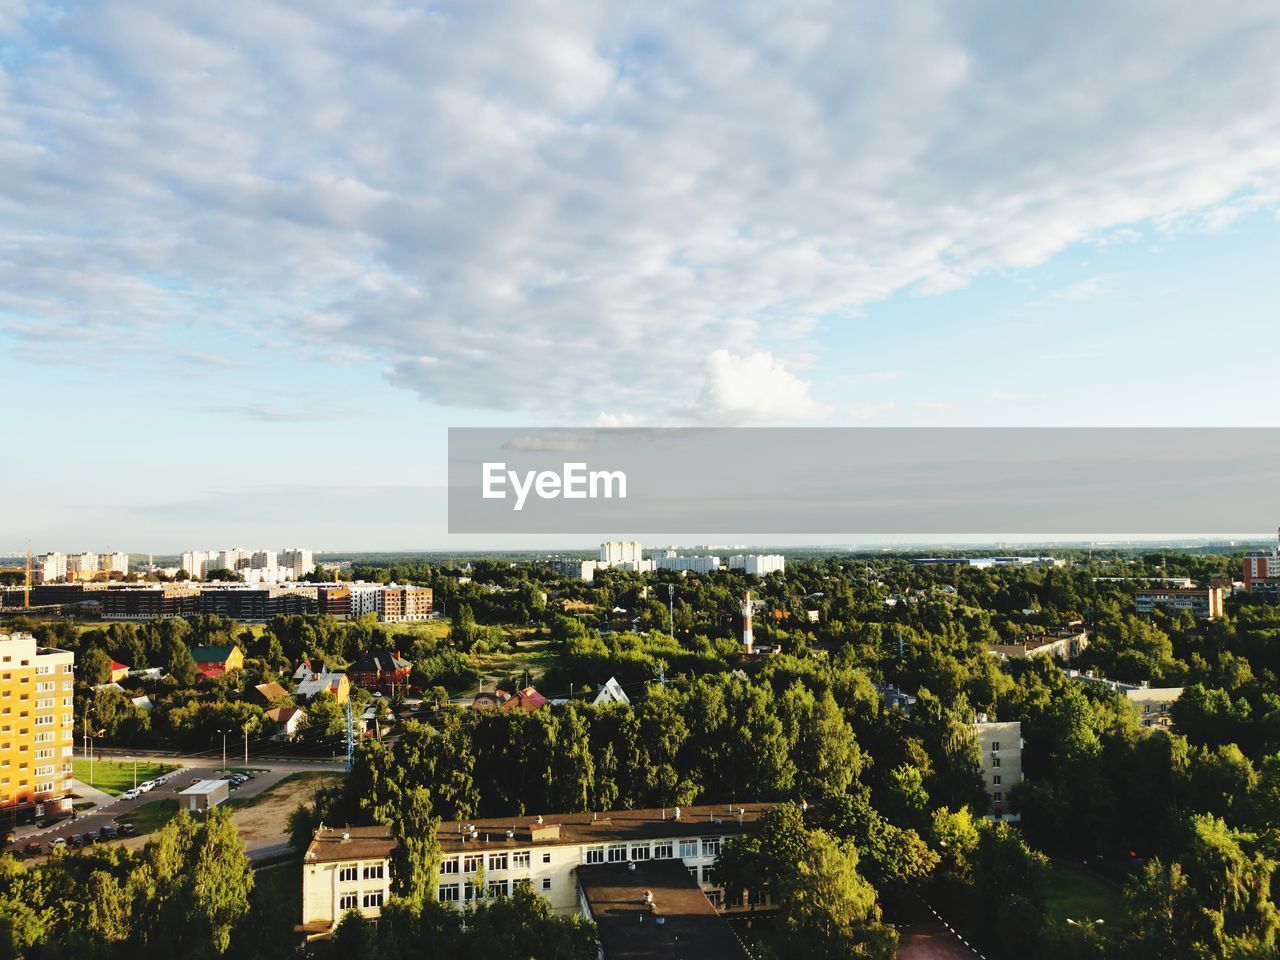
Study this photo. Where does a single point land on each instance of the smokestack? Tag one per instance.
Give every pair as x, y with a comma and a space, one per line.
748, 642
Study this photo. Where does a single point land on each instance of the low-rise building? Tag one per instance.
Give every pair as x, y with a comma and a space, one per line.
1154, 705
1000, 750
758, 565
347, 869
287, 721
672, 561
382, 670
204, 795
1061, 643
611, 692
1202, 602
314, 684
215, 660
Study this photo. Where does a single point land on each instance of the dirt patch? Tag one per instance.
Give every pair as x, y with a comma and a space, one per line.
267, 821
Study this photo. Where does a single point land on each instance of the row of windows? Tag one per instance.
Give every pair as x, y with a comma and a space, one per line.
459, 892
660, 850
350, 901
472, 862
351, 871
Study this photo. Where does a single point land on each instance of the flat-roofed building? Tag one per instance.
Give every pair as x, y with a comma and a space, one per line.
347, 869
1204, 603
36, 729
1000, 751
546, 851
1062, 643
204, 795
758, 564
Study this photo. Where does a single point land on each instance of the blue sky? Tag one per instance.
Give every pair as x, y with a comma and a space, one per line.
255, 259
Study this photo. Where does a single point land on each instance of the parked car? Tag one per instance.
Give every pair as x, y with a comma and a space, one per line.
89, 839
59, 842
130, 795
33, 847
127, 830
75, 839
108, 832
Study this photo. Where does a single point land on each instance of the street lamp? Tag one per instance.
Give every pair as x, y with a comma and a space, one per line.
224, 749
135, 771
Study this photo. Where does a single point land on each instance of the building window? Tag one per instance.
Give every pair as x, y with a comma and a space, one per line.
546, 858
449, 866
595, 855
448, 893
520, 860
711, 846
469, 891
995, 746
546, 883
373, 871
348, 872
714, 897
497, 888
373, 900
688, 849
706, 872
497, 861
348, 901
639, 851
995, 763
995, 781
472, 862
693, 872
997, 796
662, 850
617, 853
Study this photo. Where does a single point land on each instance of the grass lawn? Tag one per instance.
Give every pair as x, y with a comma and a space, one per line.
1079, 895
150, 816
116, 776
534, 658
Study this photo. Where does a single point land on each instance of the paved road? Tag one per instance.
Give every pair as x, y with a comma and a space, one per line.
91, 821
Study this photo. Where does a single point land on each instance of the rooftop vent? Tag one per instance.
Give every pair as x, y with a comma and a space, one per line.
676, 813
346, 837
511, 834
631, 865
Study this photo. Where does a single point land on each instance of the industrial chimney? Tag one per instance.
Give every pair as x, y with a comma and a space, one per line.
748, 644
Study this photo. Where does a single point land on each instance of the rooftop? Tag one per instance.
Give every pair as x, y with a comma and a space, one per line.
679, 922
204, 786
612, 826
350, 843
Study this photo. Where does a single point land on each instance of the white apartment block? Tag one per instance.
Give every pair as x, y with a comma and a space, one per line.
758, 564
49, 568
263, 560
196, 563
670, 561
301, 562
81, 563
115, 562
1000, 746
617, 552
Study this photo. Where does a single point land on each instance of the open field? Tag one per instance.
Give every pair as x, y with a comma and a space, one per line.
115, 776
534, 656
150, 816
263, 821
1080, 896
310, 778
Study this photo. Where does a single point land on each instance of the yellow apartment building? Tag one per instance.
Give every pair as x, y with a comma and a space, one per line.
36, 729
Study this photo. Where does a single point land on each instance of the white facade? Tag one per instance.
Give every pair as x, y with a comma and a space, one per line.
758, 564
616, 552
263, 560
49, 568
196, 563
115, 562
345, 870
82, 563
708, 564
298, 560
1000, 746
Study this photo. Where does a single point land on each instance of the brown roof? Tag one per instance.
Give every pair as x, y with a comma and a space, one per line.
690, 927
613, 826
361, 843
271, 691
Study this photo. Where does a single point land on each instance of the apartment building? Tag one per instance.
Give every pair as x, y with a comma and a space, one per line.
1205, 603
1062, 643
49, 568
36, 729
297, 561
403, 604
1000, 747
672, 561
758, 564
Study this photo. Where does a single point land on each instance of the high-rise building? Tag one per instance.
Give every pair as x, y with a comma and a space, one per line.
82, 564
115, 562
301, 562
263, 560
196, 563
36, 729
49, 568
671, 561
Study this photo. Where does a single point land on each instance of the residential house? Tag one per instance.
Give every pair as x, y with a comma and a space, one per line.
490, 699
527, 700
288, 721
266, 694
315, 684
381, 670
611, 692
213, 661
348, 869
118, 671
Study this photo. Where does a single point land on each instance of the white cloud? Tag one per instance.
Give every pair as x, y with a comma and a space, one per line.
531, 206
755, 388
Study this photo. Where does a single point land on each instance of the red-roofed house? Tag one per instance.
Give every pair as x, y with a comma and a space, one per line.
527, 700
118, 671
287, 721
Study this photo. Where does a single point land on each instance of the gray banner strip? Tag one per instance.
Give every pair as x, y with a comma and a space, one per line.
863, 480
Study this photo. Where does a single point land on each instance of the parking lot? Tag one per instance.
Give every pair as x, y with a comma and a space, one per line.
116, 809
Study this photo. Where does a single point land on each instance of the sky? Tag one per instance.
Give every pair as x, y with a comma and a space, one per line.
257, 257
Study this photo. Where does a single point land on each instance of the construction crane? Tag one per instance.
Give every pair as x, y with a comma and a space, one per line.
26, 581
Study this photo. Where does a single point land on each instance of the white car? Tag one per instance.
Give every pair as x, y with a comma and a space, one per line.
59, 842
131, 794
146, 787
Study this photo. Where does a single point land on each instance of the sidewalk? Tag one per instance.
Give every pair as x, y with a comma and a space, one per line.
92, 794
